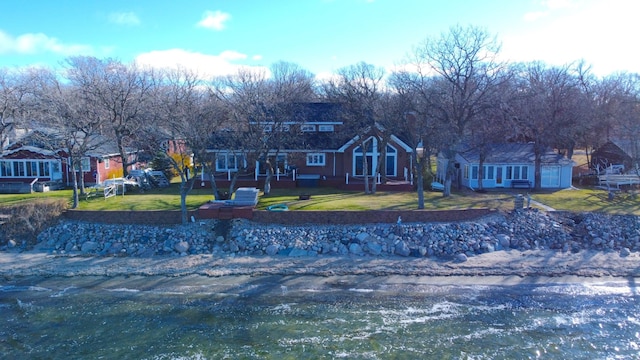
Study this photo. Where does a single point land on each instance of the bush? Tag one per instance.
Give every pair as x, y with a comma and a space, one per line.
25, 221
161, 163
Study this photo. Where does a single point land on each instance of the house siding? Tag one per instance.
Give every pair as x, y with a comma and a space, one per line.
556, 174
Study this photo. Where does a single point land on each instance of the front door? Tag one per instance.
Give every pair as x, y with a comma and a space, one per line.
499, 176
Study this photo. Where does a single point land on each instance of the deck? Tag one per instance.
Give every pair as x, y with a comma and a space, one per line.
286, 182
618, 182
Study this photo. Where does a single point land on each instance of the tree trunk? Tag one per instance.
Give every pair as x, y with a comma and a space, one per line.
123, 155
81, 171
481, 171
267, 180
234, 180
365, 172
449, 172
185, 187
537, 170
420, 181
74, 205
212, 179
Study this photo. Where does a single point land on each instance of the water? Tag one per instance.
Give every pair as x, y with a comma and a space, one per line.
313, 318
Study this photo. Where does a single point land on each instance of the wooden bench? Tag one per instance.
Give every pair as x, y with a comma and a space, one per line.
520, 184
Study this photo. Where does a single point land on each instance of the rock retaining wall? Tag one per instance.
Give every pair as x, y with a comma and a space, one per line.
285, 217
523, 230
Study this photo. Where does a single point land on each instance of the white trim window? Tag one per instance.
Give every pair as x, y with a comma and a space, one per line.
316, 159
5, 168
85, 161
325, 128
228, 162
106, 163
308, 128
516, 172
391, 161
27, 168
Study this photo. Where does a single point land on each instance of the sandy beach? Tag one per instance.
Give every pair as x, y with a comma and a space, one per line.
500, 267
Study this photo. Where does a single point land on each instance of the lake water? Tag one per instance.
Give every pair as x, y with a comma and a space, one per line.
311, 318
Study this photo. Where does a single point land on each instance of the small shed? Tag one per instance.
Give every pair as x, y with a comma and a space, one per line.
512, 165
616, 152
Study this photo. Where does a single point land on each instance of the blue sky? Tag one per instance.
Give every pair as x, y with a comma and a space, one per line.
216, 37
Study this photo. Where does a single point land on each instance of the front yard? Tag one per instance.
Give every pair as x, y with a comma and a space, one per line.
332, 199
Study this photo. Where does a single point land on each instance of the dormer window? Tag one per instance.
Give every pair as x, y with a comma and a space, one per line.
267, 128
325, 128
307, 128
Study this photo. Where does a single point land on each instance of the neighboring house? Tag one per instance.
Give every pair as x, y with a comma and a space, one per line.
27, 163
319, 146
614, 153
511, 165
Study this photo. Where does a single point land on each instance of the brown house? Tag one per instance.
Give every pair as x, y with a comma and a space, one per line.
616, 152
321, 151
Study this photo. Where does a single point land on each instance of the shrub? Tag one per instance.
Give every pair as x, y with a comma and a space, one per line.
28, 219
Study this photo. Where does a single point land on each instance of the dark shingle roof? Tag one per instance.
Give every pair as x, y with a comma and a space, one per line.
513, 153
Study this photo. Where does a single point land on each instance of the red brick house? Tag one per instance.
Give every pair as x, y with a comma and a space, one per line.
320, 150
32, 164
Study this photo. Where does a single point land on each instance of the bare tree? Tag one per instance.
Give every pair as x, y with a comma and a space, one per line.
548, 106
185, 121
14, 87
66, 123
417, 124
291, 86
627, 116
247, 99
465, 61
359, 89
259, 107
119, 95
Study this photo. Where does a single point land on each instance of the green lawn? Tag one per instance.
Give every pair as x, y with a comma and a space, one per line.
332, 199
590, 200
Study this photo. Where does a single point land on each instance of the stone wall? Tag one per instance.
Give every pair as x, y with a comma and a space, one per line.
127, 217
366, 217
285, 217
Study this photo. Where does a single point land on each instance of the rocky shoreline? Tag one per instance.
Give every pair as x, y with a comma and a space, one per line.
520, 230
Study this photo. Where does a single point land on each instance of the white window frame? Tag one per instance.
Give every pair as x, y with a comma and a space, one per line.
326, 128
316, 159
238, 158
307, 128
106, 163
85, 161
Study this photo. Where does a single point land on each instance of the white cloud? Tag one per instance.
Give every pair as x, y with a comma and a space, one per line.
256, 57
124, 18
35, 43
534, 15
593, 31
205, 65
232, 55
214, 20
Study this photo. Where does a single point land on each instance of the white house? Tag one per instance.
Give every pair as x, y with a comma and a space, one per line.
511, 165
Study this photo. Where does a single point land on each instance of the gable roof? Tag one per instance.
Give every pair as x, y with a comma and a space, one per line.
513, 153
39, 153
629, 147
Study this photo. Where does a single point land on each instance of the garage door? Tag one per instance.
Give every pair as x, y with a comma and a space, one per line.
550, 177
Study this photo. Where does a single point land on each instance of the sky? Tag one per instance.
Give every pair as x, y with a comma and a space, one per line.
216, 37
